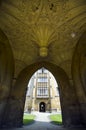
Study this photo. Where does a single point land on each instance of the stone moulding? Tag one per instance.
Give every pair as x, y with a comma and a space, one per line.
43, 35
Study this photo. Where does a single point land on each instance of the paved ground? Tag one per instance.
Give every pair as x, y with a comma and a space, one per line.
42, 122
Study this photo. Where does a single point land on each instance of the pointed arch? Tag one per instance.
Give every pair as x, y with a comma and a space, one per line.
6, 74
66, 96
79, 73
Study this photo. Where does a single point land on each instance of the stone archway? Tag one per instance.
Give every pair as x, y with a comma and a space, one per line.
79, 75
67, 98
42, 107
6, 75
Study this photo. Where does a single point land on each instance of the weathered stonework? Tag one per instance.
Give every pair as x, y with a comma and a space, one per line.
13, 114
66, 55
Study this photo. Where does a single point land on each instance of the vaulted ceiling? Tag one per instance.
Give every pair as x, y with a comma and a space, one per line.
43, 30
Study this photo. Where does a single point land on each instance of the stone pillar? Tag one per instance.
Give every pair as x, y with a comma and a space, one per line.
69, 104
13, 116
83, 112
2, 109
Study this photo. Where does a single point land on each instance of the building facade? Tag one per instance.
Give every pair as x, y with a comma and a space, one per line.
45, 95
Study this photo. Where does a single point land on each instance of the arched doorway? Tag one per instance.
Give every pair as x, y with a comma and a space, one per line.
70, 110
79, 75
64, 89
42, 87
42, 107
6, 77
